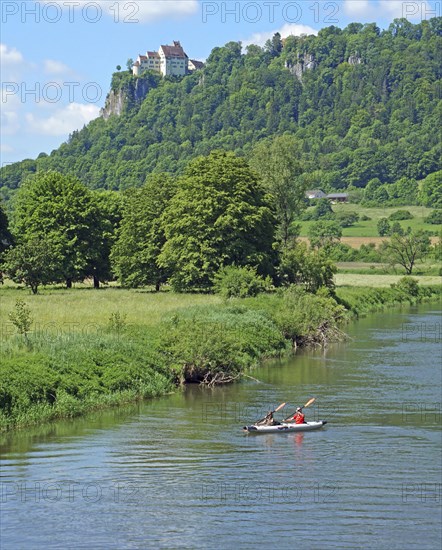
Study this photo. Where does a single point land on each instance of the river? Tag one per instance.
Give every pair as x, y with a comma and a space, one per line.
178, 472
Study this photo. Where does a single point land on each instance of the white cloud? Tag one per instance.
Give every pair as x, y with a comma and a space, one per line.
9, 56
260, 38
9, 122
157, 9
64, 120
133, 11
4, 148
10, 109
55, 67
358, 8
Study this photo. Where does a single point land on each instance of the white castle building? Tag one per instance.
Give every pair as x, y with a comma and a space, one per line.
169, 60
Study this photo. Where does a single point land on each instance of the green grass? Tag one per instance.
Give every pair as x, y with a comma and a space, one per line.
421, 269
379, 280
88, 310
368, 228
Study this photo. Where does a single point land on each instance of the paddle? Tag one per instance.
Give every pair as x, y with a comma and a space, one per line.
276, 410
309, 402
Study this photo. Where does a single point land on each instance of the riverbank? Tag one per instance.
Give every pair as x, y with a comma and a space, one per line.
120, 346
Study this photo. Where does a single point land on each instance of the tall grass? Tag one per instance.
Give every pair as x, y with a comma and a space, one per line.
67, 375
364, 300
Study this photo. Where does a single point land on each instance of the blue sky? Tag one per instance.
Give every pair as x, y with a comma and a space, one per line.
57, 57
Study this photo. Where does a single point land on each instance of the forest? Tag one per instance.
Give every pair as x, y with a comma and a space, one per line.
363, 104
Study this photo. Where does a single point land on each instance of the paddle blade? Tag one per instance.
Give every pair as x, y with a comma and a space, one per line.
280, 407
312, 400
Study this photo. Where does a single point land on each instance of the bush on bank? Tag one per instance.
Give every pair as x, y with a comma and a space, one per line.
215, 344
364, 300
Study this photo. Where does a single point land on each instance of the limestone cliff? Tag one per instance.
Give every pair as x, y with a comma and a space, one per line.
303, 63
130, 93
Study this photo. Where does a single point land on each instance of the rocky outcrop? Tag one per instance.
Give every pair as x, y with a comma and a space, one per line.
114, 105
354, 60
127, 96
303, 63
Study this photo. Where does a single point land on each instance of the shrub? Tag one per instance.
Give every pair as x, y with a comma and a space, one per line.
340, 252
383, 227
369, 253
239, 282
407, 286
365, 218
312, 269
434, 218
214, 344
21, 318
396, 228
400, 215
347, 219
304, 318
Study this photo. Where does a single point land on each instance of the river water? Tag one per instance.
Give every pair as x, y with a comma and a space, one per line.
178, 472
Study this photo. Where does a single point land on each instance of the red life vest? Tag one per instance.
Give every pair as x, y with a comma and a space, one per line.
299, 418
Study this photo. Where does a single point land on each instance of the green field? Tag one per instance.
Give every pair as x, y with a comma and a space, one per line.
87, 309
379, 280
368, 228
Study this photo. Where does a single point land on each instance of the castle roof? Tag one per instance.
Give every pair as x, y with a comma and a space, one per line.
197, 64
174, 51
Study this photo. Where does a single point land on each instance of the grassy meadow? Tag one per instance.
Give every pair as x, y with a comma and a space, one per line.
56, 309
377, 280
367, 229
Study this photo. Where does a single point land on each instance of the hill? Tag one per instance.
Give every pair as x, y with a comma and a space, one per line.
364, 103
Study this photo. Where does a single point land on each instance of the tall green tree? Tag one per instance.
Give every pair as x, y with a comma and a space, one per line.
324, 233
5, 234
141, 235
278, 163
109, 211
63, 212
406, 249
431, 190
34, 262
219, 216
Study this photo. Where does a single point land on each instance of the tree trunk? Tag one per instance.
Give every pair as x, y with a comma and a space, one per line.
34, 289
96, 282
157, 286
68, 283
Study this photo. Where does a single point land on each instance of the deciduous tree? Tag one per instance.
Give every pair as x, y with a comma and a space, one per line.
219, 216
61, 211
34, 262
278, 163
406, 249
141, 235
324, 233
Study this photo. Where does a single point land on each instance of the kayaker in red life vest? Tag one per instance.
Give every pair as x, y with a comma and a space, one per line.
299, 416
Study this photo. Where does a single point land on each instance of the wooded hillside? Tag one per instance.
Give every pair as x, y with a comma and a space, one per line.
364, 103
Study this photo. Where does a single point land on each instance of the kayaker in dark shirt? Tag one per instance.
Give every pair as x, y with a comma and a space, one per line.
299, 416
269, 420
